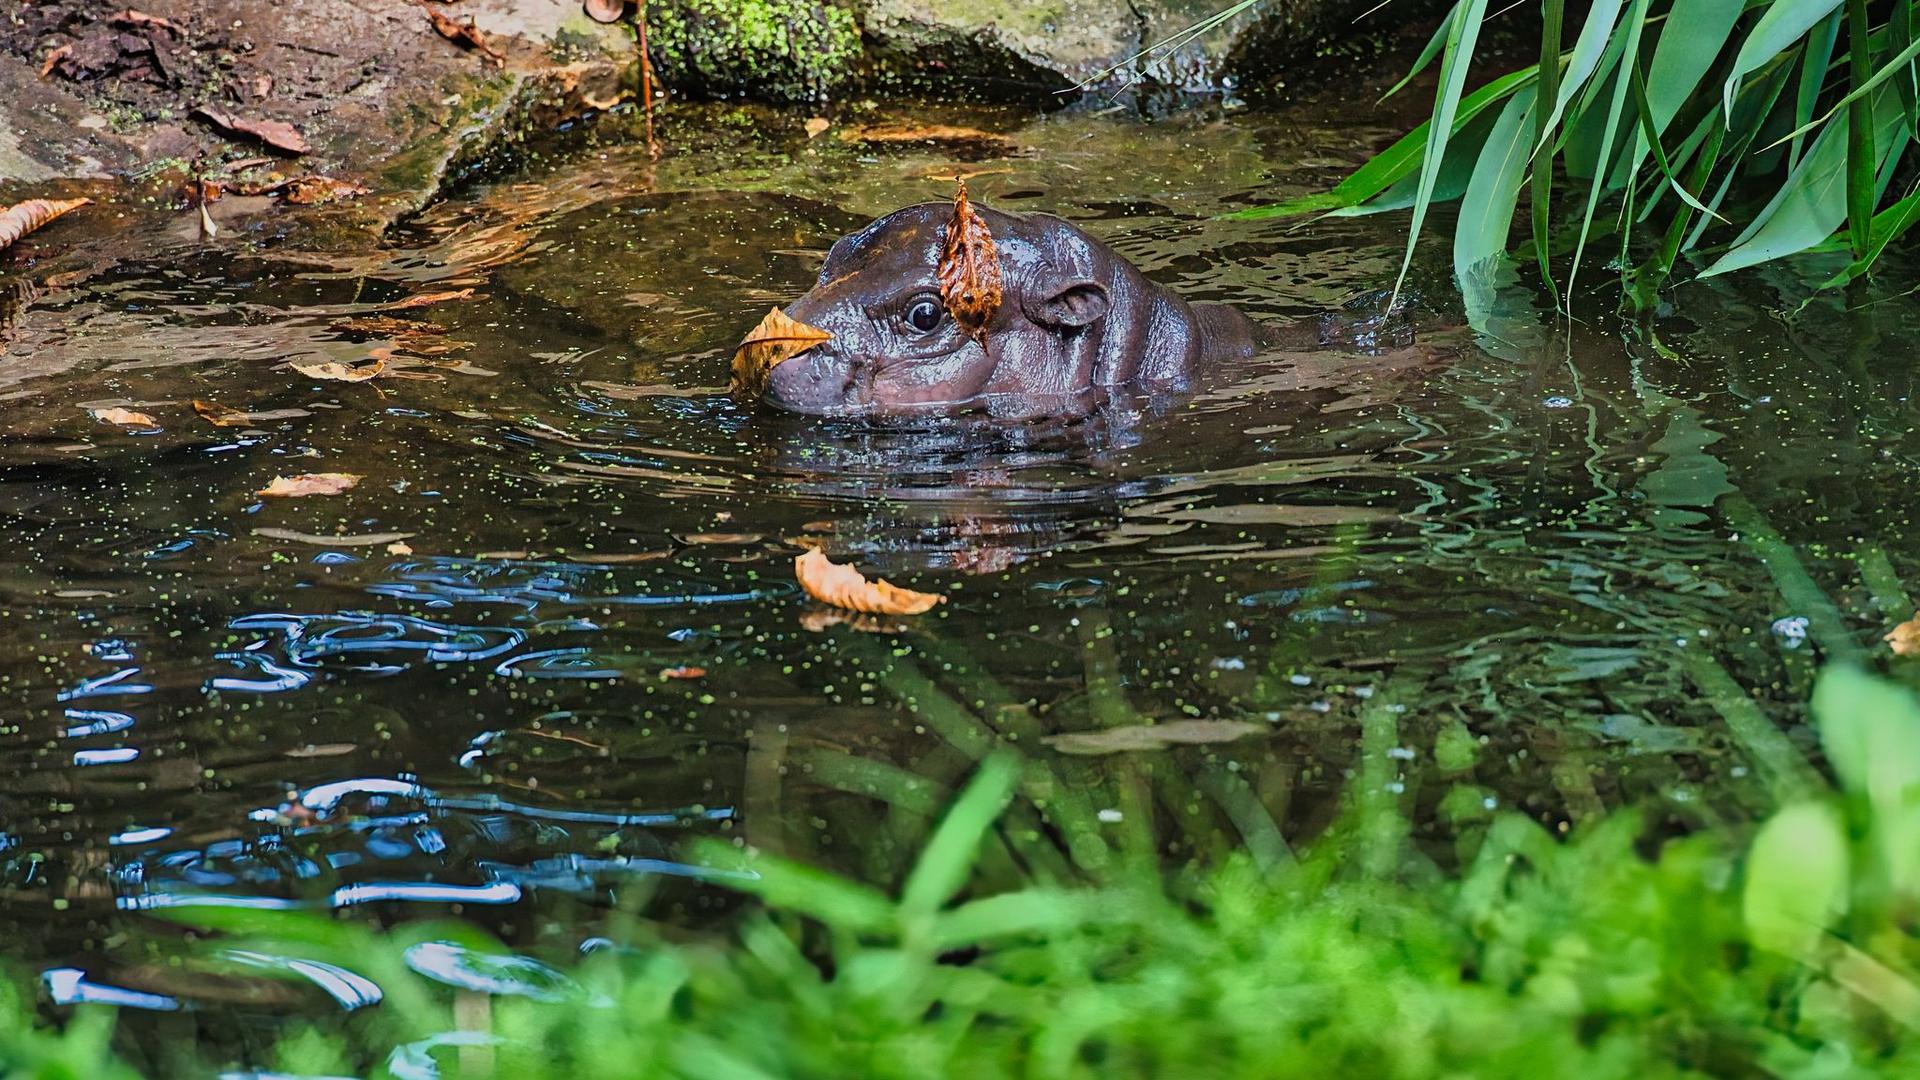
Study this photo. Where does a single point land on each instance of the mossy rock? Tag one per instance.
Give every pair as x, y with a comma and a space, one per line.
780, 50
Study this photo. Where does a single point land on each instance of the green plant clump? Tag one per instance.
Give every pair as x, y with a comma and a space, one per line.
783, 50
1792, 954
1713, 135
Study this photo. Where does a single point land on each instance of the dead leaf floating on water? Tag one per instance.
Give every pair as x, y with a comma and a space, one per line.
605, 11
775, 341
124, 417
463, 33
226, 416
845, 587
275, 133
817, 126
321, 483
20, 219
1905, 638
1117, 740
363, 540
334, 371
969, 268
685, 672
420, 300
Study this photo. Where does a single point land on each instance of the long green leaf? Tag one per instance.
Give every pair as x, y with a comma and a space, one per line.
1551, 30
1696, 32
1783, 23
1888, 225
1652, 139
1587, 50
1425, 58
1630, 49
1813, 201
945, 864
1486, 210
1860, 160
1860, 90
1815, 57
1900, 25
1462, 36
1396, 162
1463, 151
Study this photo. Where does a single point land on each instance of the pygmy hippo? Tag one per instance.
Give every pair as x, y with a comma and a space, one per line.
1075, 320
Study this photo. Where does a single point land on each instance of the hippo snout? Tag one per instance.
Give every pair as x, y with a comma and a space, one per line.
818, 382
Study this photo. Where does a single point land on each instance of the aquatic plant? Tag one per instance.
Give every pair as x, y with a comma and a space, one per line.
1719, 134
1585, 955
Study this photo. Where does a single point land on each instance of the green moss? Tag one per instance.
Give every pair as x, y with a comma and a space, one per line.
793, 50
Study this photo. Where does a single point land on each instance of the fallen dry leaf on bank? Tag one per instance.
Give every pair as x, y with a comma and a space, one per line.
124, 417
1151, 736
605, 11
844, 586
969, 268
1905, 638
463, 33
334, 371
775, 341
131, 17
54, 58
275, 133
20, 219
684, 672
817, 126
319, 483
224, 416
420, 300
363, 540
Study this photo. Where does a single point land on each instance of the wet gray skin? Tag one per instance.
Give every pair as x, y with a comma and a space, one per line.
1076, 320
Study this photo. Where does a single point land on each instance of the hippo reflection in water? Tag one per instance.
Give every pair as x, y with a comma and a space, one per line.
1077, 321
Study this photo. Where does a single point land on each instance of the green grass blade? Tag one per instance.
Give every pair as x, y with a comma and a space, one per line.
1396, 162
1900, 25
1751, 110
1888, 225
1552, 30
1902, 60
1644, 282
1783, 23
1463, 34
1630, 50
1588, 48
1652, 138
1426, 56
1696, 33
1493, 194
1860, 160
1815, 57
944, 866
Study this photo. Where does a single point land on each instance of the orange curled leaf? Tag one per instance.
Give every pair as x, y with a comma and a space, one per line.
775, 341
687, 671
463, 33
969, 268
22, 218
53, 60
845, 587
124, 417
1905, 638
321, 483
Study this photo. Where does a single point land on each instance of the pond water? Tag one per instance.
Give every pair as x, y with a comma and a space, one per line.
1537, 567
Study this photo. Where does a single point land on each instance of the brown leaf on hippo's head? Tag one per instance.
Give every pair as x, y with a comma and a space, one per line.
969, 268
775, 341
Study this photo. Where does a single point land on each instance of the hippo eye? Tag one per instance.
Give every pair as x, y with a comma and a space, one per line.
924, 315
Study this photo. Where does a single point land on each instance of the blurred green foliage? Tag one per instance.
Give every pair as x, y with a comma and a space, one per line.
1605, 953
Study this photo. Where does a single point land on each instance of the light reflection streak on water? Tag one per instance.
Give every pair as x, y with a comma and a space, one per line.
581, 874
277, 678
104, 685
323, 798
118, 755
528, 584
95, 722
350, 989
499, 892
70, 986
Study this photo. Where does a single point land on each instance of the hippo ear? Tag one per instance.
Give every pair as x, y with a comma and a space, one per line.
1073, 303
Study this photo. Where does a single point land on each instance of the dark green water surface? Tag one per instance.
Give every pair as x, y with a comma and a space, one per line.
1540, 570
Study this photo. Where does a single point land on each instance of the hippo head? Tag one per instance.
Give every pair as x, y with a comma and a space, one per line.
1068, 304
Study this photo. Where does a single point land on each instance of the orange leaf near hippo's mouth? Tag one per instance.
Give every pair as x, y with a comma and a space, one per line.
775, 341
969, 268
845, 587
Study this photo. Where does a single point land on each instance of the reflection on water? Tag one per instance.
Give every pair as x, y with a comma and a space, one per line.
553, 633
